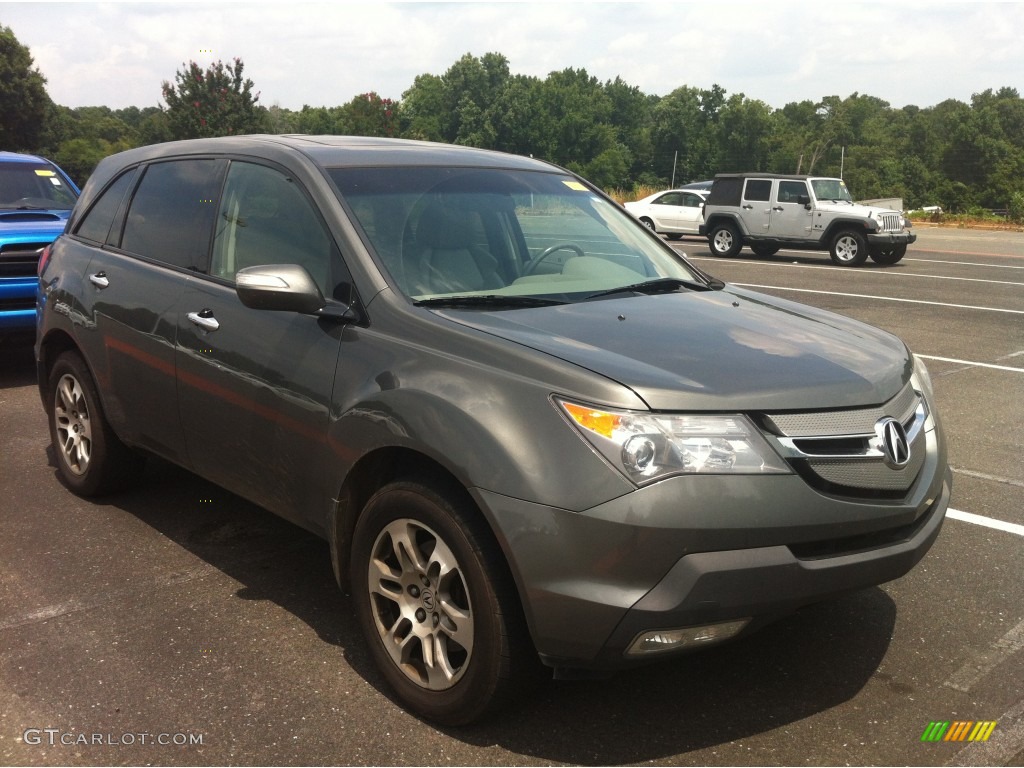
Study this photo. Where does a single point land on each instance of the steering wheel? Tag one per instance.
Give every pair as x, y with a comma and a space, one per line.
531, 266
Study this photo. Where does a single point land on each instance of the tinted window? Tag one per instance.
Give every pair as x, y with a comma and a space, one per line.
96, 224
672, 198
790, 191
692, 201
171, 216
758, 189
265, 218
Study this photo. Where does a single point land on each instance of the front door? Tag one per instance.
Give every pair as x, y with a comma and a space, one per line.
255, 385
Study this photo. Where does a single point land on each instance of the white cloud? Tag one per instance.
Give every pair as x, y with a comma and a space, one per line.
118, 54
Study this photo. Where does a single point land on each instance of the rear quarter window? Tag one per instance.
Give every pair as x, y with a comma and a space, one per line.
96, 223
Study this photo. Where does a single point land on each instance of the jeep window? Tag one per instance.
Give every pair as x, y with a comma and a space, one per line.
831, 189
34, 186
97, 222
441, 231
790, 191
172, 213
265, 218
758, 189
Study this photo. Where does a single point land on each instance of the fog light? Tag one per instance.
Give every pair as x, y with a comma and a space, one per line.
662, 640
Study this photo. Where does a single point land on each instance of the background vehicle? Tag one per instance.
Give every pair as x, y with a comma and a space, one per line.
529, 431
674, 212
703, 187
767, 212
35, 199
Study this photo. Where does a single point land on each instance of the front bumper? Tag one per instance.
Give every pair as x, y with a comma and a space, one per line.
891, 238
692, 551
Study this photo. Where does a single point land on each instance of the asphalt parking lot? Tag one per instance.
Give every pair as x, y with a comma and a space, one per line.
176, 624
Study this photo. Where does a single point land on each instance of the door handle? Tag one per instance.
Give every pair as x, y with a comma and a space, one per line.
747, 207
204, 320
778, 208
99, 279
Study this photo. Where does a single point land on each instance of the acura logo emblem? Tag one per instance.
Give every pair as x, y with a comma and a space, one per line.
893, 442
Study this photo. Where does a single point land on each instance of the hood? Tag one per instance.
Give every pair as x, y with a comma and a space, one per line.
31, 226
715, 350
853, 209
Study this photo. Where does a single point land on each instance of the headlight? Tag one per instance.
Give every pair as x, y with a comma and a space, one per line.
650, 446
921, 381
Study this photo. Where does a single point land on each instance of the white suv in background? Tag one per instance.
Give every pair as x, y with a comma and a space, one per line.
769, 211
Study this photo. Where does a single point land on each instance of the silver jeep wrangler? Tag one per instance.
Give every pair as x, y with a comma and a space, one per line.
770, 211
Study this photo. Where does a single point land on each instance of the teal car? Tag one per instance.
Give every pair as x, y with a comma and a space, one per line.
36, 198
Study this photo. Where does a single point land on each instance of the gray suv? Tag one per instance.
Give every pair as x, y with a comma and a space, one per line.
767, 212
533, 435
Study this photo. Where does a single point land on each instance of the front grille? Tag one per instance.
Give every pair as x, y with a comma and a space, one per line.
839, 452
891, 222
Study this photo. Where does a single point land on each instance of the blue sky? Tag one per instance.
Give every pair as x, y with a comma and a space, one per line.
117, 54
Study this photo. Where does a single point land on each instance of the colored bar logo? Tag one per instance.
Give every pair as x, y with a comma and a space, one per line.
958, 730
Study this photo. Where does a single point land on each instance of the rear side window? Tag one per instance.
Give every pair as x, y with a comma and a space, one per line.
172, 213
758, 189
96, 224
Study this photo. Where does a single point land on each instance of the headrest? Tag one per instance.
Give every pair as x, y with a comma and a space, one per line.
442, 228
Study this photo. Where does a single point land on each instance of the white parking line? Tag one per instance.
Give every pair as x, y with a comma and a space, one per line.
988, 522
973, 364
975, 669
881, 298
887, 273
964, 263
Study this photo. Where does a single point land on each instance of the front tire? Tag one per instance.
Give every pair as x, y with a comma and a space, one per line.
724, 240
849, 248
90, 458
764, 250
649, 223
436, 603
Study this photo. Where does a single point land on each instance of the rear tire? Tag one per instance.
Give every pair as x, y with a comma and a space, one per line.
888, 254
849, 248
724, 240
437, 605
674, 236
90, 458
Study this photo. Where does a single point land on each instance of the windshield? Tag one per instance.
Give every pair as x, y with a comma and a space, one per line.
831, 189
498, 233
34, 186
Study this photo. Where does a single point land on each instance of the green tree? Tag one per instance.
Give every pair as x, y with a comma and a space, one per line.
24, 102
212, 102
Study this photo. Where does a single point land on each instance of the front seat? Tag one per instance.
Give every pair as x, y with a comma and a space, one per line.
445, 259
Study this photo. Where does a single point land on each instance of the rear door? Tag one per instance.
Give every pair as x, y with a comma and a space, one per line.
755, 206
144, 248
255, 385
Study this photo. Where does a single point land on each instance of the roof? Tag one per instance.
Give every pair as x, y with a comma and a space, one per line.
18, 157
754, 175
329, 151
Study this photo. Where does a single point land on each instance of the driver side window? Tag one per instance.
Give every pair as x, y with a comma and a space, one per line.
264, 218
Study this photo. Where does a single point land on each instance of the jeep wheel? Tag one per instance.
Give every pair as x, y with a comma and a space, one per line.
90, 458
724, 240
849, 248
764, 250
436, 603
888, 254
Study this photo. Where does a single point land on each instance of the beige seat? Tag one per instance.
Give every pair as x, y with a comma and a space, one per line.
445, 258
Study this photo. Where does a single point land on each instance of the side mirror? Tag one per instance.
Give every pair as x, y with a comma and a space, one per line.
804, 200
280, 287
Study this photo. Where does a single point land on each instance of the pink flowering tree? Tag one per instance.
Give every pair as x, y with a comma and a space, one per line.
212, 102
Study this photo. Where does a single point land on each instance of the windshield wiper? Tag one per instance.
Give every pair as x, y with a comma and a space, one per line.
489, 301
660, 285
